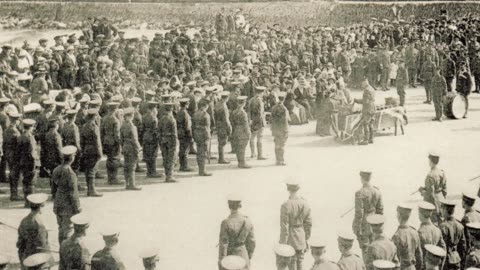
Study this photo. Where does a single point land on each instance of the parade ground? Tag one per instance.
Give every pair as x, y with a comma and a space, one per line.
183, 220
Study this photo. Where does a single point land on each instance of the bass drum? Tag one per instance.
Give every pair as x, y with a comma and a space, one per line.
455, 106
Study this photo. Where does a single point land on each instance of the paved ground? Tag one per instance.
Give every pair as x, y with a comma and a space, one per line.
183, 219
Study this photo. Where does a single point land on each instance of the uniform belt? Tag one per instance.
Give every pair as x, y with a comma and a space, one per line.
296, 225
237, 245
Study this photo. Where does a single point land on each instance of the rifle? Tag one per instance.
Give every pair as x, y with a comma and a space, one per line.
8, 226
350, 210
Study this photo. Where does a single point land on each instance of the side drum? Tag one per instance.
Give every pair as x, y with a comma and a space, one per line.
455, 106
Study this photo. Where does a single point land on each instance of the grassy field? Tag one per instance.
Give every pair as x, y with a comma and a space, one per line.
284, 13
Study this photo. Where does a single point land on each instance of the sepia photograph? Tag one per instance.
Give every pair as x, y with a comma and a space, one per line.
239, 135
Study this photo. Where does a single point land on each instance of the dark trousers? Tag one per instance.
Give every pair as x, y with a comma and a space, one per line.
90, 168
129, 170
13, 178
3, 170
428, 89
168, 156
222, 141
65, 227
113, 161
184, 147
240, 146
280, 147
412, 76
401, 94
150, 156
296, 263
438, 104
29, 176
202, 149
449, 81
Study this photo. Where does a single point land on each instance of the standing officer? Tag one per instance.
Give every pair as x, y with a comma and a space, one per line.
256, 111
138, 122
108, 257
236, 233
32, 233
473, 258
29, 160
411, 59
91, 151
381, 248
368, 201
41, 131
240, 131
110, 134
428, 233
280, 118
149, 259
438, 88
402, 80
407, 241
71, 136
73, 252
167, 134
224, 127
454, 236
202, 135
464, 84
150, 139
318, 249
429, 69
368, 112
185, 135
10, 144
435, 185
434, 256
284, 255
65, 193
295, 223
349, 260
131, 148
53, 144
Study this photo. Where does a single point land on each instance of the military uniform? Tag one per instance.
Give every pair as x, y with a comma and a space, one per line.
237, 237
381, 248
71, 136
350, 261
430, 234
224, 127
107, 259
408, 245
454, 236
202, 136
91, 151
74, 254
325, 265
295, 227
150, 142
438, 88
435, 189
185, 135
256, 115
368, 201
110, 134
53, 147
280, 118
4, 123
131, 149
167, 134
428, 71
240, 133
10, 148
401, 82
32, 233
65, 193
368, 112
29, 160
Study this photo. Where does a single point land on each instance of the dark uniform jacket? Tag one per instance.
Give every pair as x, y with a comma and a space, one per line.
430, 235
240, 127
74, 254
32, 236
256, 113
408, 247
222, 118
201, 126
129, 139
53, 147
71, 135
90, 141
10, 145
107, 259
150, 129
368, 201
65, 190
110, 130
381, 248
280, 120
350, 261
184, 125
167, 129
27, 150
454, 236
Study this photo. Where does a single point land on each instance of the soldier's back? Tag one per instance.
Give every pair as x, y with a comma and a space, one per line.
107, 259
326, 265
351, 262
430, 234
73, 254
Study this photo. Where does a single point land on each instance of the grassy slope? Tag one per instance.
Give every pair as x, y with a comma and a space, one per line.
286, 13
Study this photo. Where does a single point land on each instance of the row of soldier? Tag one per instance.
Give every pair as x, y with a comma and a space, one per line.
441, 241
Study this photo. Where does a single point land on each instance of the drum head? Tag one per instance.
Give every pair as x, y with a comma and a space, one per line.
459, 106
